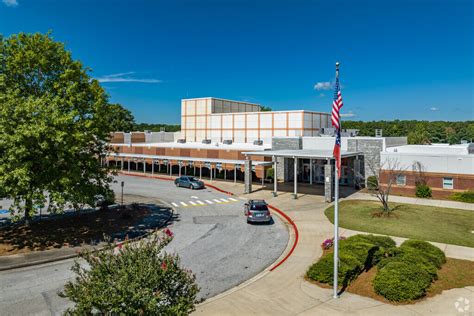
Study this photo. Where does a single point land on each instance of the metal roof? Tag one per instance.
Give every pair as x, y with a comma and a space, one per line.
301, 153
211, 160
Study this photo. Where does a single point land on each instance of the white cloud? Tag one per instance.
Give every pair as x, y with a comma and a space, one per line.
323, 86
125, 77
348, 114
434, 109
10, 3
321, 95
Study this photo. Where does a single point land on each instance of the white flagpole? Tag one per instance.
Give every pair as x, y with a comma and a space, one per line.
336, 217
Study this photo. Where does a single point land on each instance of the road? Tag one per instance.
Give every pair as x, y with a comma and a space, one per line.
211, 237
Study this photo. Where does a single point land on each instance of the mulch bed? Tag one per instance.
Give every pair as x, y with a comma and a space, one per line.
68, 230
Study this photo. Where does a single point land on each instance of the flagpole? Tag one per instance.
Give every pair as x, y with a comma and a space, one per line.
336, 217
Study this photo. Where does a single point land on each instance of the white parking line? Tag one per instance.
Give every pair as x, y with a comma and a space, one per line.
192, 203
224, 200
183, 204
194, 197
217, 201
174, 204
200, 202
208, 202
232, 199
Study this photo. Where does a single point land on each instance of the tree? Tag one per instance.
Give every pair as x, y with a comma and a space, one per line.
53, 126
265, 108
120, 119
134, 279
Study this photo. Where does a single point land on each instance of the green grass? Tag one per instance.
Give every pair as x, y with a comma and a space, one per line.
445, 225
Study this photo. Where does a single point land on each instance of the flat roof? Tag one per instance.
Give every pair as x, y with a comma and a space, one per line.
195, 145
269, 112
220, 99
302, 153
182, 158
434, 149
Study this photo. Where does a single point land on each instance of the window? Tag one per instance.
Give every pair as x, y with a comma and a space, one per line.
448, 183
401, 180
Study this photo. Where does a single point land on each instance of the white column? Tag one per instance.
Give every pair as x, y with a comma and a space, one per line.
144, 166
311, 171
152, 167
225, 174
295, 178
235, 174
275, 179
179, 172
210, 169
128, 165
121, 165
200, 172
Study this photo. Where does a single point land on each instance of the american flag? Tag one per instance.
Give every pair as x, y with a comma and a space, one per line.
336, 107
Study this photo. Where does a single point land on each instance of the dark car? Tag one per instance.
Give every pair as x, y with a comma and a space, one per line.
257, 212
189, 182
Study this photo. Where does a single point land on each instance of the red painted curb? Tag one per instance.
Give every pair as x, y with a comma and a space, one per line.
288, 219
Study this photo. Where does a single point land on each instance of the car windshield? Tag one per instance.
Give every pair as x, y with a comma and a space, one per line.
192, 179
258, 207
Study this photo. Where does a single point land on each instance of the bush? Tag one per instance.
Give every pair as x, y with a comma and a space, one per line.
423, 191
372, 183
466, 196
367, 253
430, 252
412, 256
401, 281
135, 279
270, 173
349, 269
381, 241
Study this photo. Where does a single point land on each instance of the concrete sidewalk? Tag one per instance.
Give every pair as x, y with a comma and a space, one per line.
284, 290
412, 200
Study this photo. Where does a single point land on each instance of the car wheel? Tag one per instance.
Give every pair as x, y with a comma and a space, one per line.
177, 184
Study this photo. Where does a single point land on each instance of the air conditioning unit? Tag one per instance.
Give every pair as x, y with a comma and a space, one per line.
258, 142
227, 142
206, 141
181, 141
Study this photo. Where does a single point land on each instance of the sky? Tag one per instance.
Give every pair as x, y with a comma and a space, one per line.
399, 59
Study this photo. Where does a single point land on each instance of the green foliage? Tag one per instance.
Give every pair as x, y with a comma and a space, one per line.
466, 196
429, 251
372, 183
54, 126
156, 127
418, 132
412, 256
270, 173
265, 108
138, 279
401, 281
120, 119
423, 191
367, 253
349, 268
381, 241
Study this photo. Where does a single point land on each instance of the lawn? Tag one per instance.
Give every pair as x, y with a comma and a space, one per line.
445, 225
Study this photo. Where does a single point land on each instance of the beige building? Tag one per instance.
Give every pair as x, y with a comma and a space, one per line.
220, 120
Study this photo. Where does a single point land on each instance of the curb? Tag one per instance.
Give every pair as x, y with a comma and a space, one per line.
280, 212
74, 255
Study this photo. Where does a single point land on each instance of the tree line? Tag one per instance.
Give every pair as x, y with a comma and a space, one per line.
418, 132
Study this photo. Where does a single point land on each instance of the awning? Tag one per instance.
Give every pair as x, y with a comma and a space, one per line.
301, 153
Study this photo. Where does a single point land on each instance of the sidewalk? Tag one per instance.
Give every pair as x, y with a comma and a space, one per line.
411, 200
284, 290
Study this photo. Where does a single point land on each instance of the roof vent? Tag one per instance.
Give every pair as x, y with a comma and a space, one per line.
181, 141
378, 132
227, 142
206, 141
258, 142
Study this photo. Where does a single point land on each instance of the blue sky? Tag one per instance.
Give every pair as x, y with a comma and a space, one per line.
399, 59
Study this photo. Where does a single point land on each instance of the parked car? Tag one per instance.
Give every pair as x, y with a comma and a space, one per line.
189, 182
257, 212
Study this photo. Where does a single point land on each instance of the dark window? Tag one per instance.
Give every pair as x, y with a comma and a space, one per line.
258, 207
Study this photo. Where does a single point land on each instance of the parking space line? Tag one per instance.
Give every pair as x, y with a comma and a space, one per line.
217, 201
208, 202
232, 199
192, 203
183, 204
224, 200
174, 204
200, 202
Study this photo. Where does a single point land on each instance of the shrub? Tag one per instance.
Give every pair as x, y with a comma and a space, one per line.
381, 241
423, 191
328, 243
367, 253
401, 281
322, 271
430, 252
466, 196
270, 174
372, 183
412, 256
134, 279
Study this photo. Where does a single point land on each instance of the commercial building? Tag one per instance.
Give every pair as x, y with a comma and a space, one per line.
445, 168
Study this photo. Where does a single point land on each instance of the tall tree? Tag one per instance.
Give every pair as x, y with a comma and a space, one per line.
53, 126
120, 119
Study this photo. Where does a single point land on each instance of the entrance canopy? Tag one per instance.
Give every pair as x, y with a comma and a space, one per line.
302, 153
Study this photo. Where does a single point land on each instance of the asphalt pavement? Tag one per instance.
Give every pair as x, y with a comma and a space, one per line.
211, 237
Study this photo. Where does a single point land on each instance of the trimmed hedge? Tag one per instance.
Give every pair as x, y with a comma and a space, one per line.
430, 252
401, 281
412, 256
423, 191
466, 196
349, 268
381, 241
367, 253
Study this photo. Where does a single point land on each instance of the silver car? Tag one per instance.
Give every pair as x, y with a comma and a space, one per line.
189, 182
257, 212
